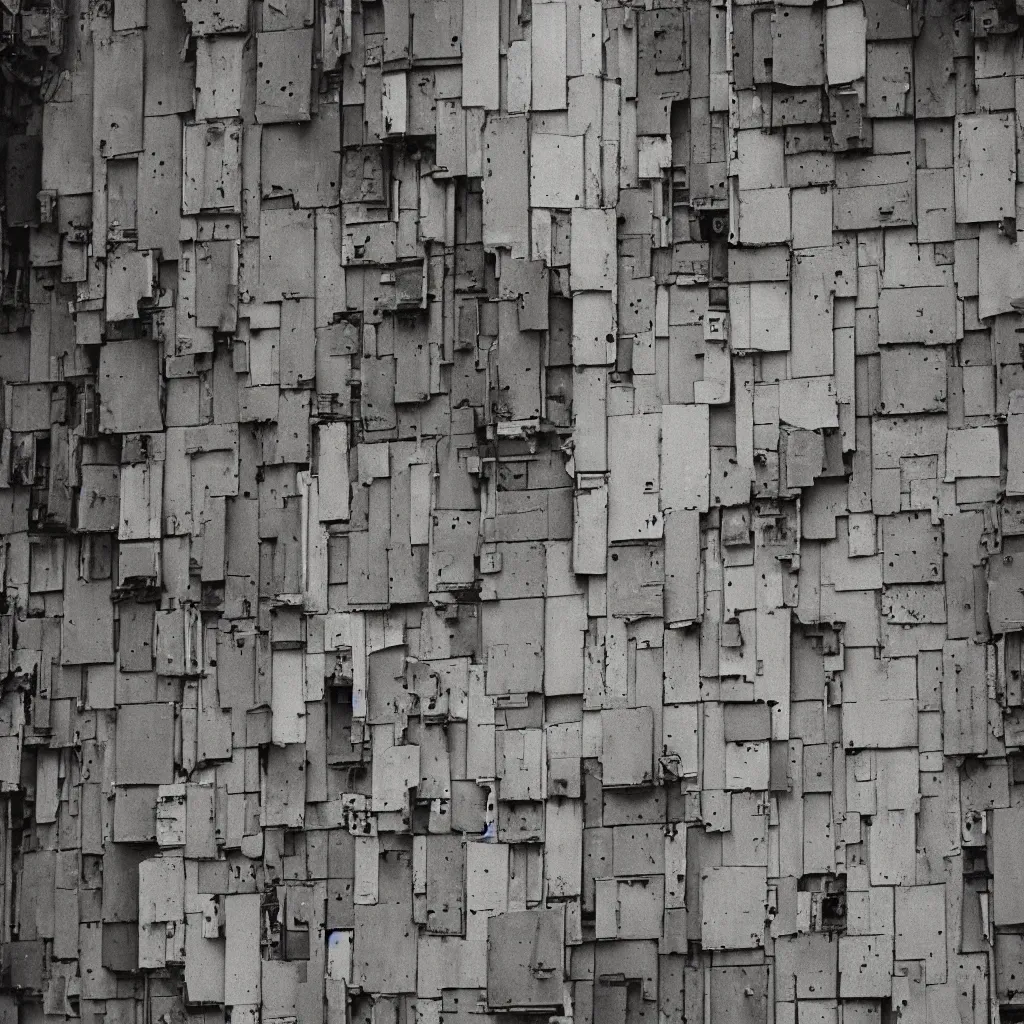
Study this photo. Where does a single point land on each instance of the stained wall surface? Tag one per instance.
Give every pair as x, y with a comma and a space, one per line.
512, 512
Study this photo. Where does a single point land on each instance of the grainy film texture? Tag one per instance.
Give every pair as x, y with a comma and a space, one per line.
512, 512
